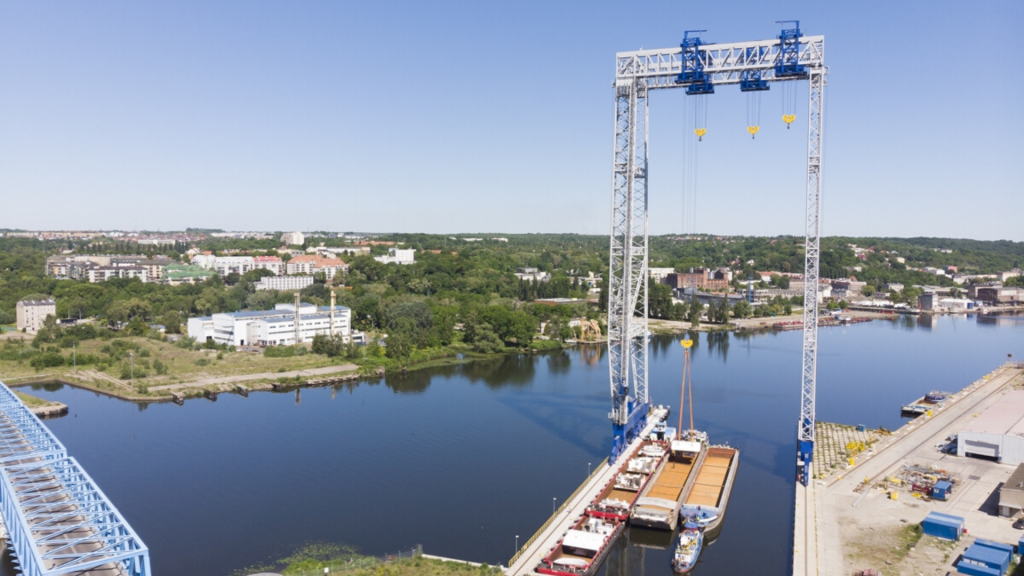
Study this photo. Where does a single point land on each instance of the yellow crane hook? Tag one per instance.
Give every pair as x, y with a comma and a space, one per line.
753, 130
700, 132
788, 119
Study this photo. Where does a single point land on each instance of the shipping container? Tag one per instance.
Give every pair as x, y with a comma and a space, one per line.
979, 554
942, 489
943, 526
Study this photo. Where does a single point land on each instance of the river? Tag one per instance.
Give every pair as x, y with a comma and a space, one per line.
462, 459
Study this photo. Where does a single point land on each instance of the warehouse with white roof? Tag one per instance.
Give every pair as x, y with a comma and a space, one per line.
996, 433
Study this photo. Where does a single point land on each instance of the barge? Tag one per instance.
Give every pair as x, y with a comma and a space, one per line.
933, 400
620, 493
582, 549
707, 500
659, 503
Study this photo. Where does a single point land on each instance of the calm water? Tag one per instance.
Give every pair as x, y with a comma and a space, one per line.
463, 459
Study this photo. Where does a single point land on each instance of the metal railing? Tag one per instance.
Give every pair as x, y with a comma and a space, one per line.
522, 550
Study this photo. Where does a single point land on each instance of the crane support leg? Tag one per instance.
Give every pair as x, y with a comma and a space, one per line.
815, 133
627, 271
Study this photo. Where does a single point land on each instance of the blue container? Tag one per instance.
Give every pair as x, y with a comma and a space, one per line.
943, 526
1020, 545
941, 490
976, 569
980, 554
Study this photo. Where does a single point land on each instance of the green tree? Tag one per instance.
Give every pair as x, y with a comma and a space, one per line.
741, 309
695, 309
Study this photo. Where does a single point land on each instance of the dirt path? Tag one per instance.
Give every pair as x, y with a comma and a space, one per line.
259, 376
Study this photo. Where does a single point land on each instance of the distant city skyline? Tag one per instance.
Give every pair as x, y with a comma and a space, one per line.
466, 118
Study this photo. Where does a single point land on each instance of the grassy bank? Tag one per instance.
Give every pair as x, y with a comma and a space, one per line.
32, 401
160, 367
312, 559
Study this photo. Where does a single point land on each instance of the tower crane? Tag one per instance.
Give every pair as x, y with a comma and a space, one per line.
699, 67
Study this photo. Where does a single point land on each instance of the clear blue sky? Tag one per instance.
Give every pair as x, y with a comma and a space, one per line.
492, 116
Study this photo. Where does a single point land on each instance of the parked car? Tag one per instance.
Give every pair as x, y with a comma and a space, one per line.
1019, 524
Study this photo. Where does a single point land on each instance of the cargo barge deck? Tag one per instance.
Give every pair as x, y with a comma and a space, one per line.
709, 496
659, 503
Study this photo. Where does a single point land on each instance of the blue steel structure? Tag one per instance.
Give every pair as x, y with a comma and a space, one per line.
788, 64
57, 519
693, 75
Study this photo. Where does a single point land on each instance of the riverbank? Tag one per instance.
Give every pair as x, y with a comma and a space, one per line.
321, 371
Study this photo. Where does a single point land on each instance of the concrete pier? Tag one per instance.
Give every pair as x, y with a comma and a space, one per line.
530, 555
830, 511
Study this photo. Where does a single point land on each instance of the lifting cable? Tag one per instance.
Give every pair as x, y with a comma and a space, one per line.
753, 112
695, 127
789, 103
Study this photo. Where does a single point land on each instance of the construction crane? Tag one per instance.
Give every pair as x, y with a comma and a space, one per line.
699, 67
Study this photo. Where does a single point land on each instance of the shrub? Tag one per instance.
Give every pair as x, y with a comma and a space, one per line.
144, 352
284, 351
202, 362
160, 367
47, 360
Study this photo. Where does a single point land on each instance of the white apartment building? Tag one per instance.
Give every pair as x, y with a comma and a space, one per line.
398, 256
31, 313
225, 265
293, 239
100, 267
272, 263
307, 264
284, 282
272, 327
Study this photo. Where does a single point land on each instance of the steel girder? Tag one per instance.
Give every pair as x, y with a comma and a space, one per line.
627, 278
57, 519
722, 63
812, 222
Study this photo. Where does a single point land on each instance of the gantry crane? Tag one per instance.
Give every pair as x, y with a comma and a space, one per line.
699, 67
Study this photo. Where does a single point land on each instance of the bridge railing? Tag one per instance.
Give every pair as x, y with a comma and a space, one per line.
58, 520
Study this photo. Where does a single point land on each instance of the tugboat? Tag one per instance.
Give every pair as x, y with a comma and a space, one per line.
691, 539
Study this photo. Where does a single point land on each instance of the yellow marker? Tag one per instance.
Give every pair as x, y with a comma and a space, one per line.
687, 343
753, 130
700, 132
788, 119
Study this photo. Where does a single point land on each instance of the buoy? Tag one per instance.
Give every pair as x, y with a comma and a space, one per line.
753, 130
700, 132
788, 119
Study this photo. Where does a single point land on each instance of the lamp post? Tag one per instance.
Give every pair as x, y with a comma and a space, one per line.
588, 469
553, 505
74, 358
131, 364
517, 545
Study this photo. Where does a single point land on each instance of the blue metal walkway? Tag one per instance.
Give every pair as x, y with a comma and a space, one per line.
57, 519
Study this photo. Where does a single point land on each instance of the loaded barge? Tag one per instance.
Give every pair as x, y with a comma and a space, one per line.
620, 493
658, 505
933, 400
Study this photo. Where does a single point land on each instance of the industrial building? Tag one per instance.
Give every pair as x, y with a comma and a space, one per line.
31, 313
997, 433
272, 327
284, 282
1011, 494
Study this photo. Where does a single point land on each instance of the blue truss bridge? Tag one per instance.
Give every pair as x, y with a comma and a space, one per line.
56, 519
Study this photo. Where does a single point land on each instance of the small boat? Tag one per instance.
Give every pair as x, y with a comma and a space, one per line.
582, 548
691, 540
